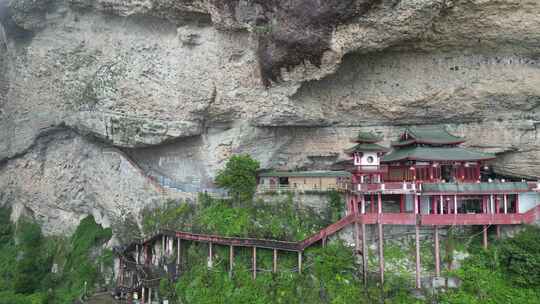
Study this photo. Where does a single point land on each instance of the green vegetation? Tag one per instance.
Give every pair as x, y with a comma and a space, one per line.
239, 177
336, 206
329, 277
509, 272
79, 267
282, 220
27, 257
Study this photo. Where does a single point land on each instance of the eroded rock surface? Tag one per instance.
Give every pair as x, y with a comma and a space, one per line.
182, 85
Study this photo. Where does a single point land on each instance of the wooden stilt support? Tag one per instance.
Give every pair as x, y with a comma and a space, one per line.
417, 235
437, 253
274, 264
231, 260
355, 204
363, 204
372, 203
381, 253
142, 296
498, 230
138, 253
178, 252
299, 261
364, 253
163, 245
379, 203
485, 238
254, 263
120, 271
210, 256
150, 295
324, 242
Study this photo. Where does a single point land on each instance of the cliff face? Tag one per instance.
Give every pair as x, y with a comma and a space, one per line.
181, 85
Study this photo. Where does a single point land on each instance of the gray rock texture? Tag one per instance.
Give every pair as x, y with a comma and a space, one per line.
182, 85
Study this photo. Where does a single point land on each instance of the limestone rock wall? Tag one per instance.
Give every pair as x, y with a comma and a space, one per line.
182, 85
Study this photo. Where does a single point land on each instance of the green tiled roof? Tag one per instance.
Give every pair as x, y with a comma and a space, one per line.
475, 187
366, 147
367, 137
435, 154
430, 135
306, 174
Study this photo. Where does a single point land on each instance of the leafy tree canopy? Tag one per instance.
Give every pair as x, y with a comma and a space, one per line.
239, 177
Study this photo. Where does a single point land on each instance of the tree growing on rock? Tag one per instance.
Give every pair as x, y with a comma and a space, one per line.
239, 177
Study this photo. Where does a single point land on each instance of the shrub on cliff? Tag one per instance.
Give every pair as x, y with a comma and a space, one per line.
32, 264
80, 266
239, 177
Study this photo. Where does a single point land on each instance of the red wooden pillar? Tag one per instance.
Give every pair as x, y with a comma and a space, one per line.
210, 256
381, 252
300, 262
274, 264
417, 234
364, 253
402, 203
484, 204
433, 204
496, 204
379, 203
254, 263
517, 203
231, 260
372, 203
437, 253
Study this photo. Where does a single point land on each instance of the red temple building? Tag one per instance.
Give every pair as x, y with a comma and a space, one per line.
429, 179
428, 172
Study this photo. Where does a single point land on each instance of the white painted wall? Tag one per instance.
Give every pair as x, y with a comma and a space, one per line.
528, 200
363, 161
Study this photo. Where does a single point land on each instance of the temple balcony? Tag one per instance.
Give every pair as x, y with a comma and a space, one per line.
436, 188
450, 219
392, 187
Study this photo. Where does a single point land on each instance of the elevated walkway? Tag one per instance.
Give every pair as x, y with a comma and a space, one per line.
529, 217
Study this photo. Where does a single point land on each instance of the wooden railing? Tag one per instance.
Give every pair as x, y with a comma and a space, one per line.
368, 218
400, 187
292, 188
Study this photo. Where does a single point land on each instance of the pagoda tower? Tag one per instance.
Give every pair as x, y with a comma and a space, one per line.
366, 157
